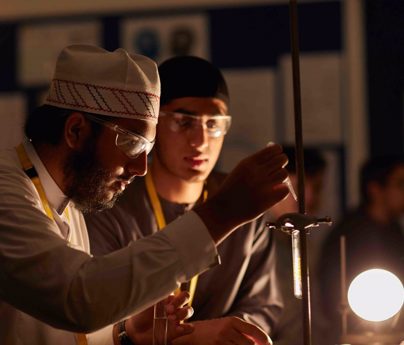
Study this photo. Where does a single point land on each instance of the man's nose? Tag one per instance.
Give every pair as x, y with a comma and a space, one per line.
138, 165
198, 136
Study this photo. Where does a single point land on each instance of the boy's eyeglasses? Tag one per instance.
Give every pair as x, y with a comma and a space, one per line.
215, 125
131, 144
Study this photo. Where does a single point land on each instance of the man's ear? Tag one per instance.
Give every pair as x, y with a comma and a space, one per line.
77, 129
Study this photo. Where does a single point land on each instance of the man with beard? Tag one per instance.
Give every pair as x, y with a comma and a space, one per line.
86, 144
193, 122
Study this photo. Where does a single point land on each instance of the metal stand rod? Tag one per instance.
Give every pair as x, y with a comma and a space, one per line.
300, 170
344, 301
294, 37
305, 289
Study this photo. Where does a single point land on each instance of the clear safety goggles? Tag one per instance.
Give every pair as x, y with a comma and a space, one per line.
215, 125
131, 144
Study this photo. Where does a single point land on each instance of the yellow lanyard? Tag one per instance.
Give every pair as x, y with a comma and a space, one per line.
33, 175
31, 172
161, 223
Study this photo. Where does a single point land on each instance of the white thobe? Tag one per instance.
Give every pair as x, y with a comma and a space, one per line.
50, 287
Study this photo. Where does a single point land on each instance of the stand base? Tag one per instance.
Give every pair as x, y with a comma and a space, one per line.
372, 339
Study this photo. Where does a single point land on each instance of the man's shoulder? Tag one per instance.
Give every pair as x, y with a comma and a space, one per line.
10, 167
8, 158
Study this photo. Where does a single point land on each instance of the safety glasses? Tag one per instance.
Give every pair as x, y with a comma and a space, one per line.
215, 125
131, 144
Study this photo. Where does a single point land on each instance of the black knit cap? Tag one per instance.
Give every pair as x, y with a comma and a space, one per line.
191, 76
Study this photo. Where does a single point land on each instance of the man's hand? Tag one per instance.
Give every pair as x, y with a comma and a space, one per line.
255, 185
228, 330
140, 326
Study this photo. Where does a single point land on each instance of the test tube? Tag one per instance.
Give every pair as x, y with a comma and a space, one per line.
297, 269
291, 189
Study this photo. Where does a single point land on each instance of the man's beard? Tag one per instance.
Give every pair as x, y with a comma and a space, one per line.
87, 180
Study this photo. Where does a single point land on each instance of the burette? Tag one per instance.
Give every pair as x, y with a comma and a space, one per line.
299, 224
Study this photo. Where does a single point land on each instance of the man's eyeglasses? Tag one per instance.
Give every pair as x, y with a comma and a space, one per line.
131, 144
215, 125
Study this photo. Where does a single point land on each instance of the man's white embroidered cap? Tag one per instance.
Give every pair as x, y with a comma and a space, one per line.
94, 80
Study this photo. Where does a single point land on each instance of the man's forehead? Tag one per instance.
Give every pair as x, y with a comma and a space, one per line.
197, 105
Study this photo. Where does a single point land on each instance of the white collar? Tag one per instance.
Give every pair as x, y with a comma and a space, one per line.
56, 199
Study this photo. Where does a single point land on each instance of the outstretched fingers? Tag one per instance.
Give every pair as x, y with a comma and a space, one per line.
176, 307
267, 154
270, 169
176, 301
181, 314
177, 311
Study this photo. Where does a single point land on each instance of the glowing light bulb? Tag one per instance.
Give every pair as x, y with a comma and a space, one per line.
376, 295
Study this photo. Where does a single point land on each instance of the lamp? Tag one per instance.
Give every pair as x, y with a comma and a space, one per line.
375, 295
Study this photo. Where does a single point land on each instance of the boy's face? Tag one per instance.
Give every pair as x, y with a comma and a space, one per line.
184, 148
